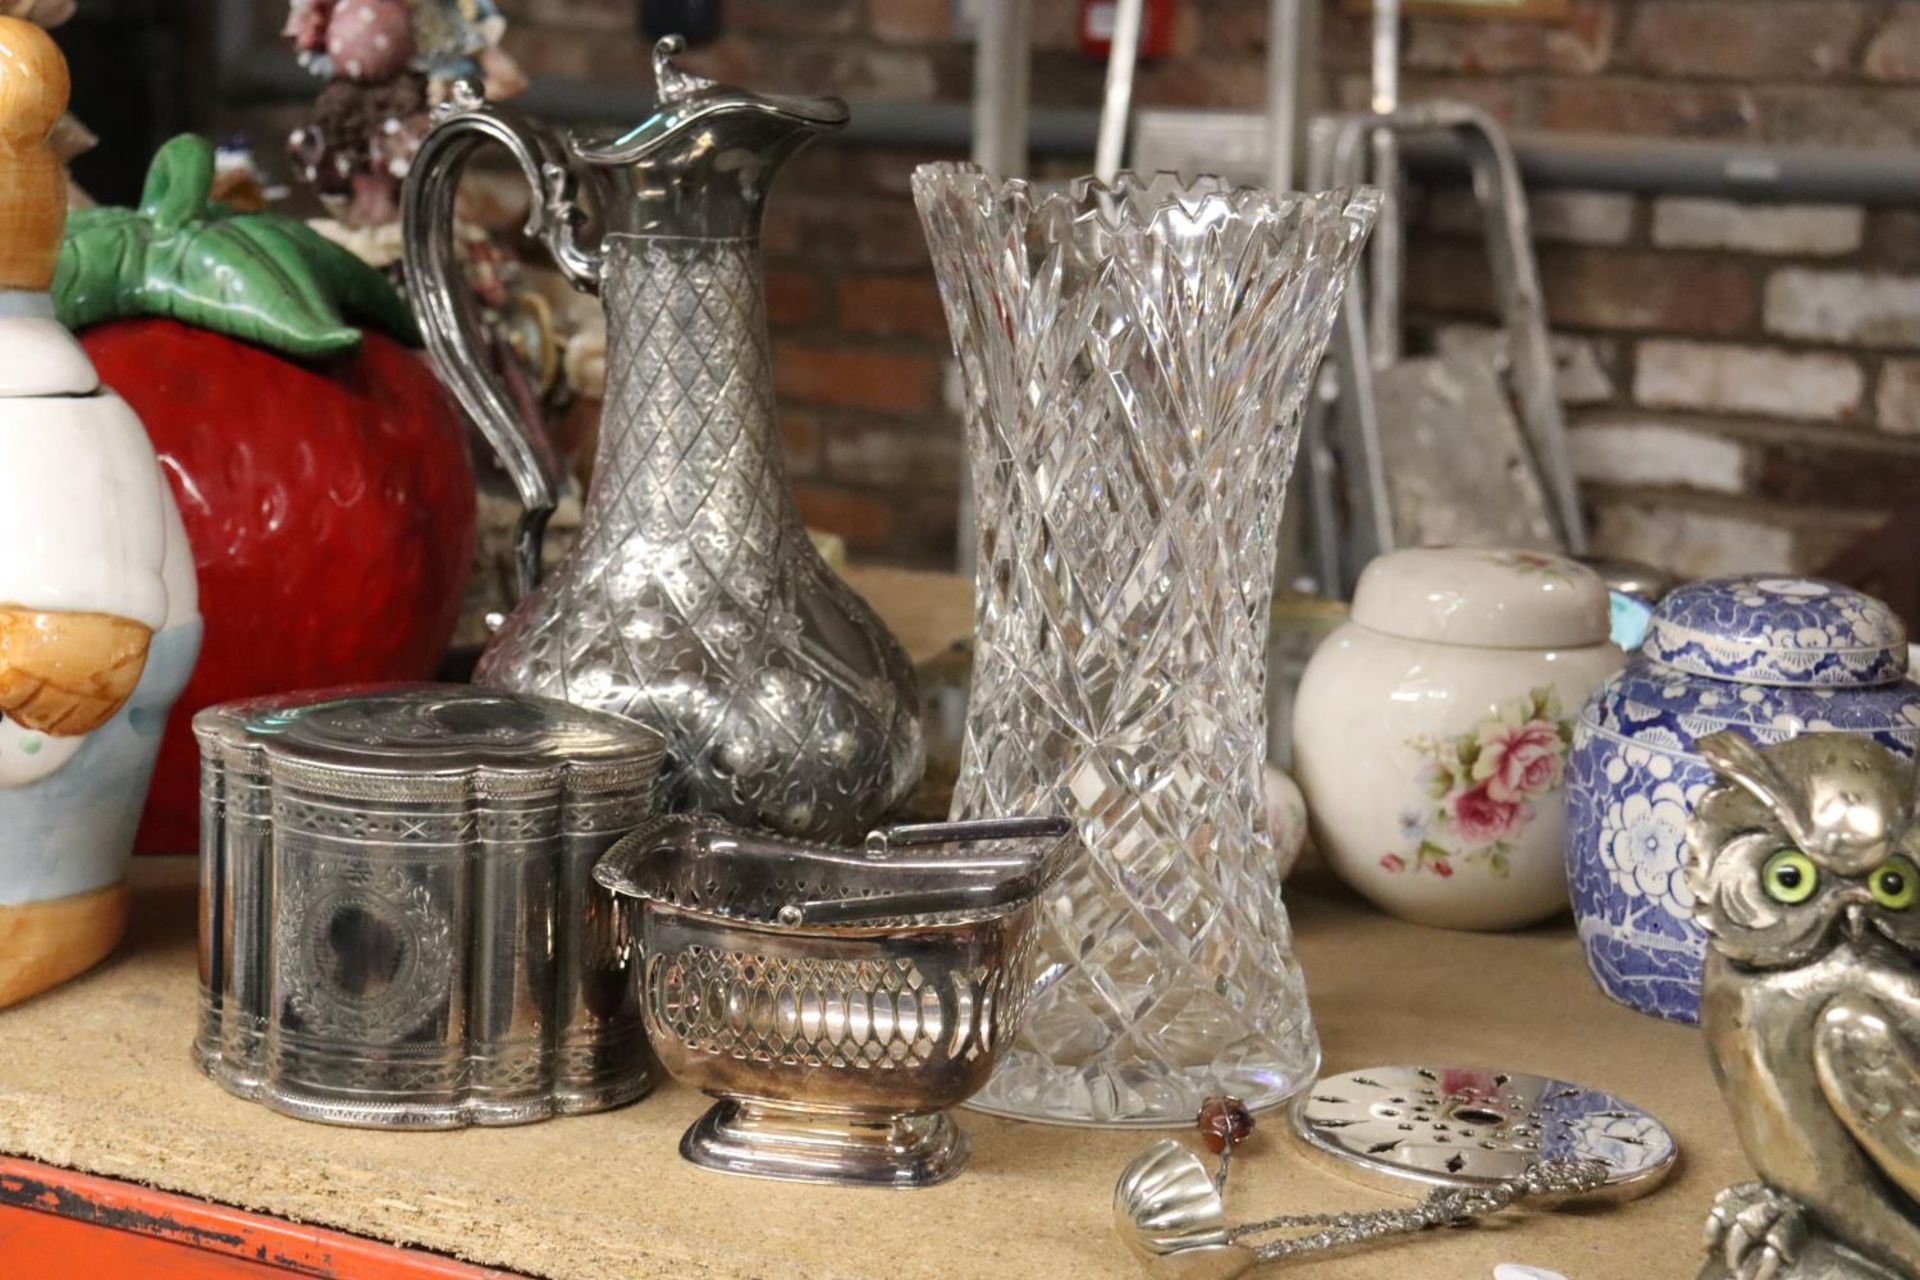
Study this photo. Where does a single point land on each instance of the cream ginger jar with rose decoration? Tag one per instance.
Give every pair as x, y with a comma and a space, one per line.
1431, 732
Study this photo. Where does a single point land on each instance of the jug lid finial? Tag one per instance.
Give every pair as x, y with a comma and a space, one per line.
674, 83
685, 98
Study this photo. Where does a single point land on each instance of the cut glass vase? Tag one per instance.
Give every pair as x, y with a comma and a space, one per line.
1135, 357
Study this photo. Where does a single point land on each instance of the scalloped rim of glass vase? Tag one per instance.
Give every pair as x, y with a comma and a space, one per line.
1135, 203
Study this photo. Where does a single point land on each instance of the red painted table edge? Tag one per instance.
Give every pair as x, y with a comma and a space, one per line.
290, 1246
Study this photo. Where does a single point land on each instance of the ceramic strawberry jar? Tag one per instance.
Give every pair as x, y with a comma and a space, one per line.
1431, 731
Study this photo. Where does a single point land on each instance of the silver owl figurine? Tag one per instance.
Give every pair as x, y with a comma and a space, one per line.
1805, 864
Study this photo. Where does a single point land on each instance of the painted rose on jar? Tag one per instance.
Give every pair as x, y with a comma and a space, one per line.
1482, 818
1483, 788
1520, 760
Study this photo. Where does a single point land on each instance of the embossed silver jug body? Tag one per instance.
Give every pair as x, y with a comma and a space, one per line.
694, 601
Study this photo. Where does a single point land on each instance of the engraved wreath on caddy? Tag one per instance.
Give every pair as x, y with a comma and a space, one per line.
406, 906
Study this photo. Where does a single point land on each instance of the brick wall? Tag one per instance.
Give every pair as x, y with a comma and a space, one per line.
860, 353
1744, 380
1741, 380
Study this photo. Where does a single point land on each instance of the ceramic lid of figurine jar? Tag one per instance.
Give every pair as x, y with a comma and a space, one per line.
1483, 598
1778, 631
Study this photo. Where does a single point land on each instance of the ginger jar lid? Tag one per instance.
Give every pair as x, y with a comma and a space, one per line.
1766, 630
1484, 597
1660, 706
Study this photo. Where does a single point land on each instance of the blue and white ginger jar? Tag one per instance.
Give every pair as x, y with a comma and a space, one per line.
1768, 657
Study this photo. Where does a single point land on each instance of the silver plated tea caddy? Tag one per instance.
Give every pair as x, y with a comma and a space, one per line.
694, 602
399, 927
836, 1001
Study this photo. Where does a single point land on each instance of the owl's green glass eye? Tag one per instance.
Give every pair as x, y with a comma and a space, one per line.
1894, 883
1790, 877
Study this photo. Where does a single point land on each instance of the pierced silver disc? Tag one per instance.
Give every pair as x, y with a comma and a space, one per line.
1410, 1129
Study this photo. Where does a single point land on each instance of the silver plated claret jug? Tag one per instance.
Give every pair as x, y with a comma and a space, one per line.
694, 602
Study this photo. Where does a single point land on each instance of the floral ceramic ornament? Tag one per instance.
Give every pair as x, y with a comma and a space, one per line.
98, 625
1431, 731
1766, 656
1486, 787
387, 64
376, 40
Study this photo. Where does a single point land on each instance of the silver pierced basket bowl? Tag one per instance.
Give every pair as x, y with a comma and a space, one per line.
836, 1001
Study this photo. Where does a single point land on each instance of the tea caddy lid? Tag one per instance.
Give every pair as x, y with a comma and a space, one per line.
1765, 630
427, 737
1484, 597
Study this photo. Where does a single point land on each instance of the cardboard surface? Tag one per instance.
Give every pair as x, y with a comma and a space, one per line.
96, 1076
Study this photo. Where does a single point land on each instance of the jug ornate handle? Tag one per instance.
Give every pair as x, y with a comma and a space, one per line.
448, 314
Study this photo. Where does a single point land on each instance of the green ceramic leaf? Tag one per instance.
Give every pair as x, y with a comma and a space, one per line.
179, 181
228, 276
101, 266
360, 292
261, 277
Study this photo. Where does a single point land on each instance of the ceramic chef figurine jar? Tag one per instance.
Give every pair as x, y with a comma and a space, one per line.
1431, 731
98, 621
1767, 658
